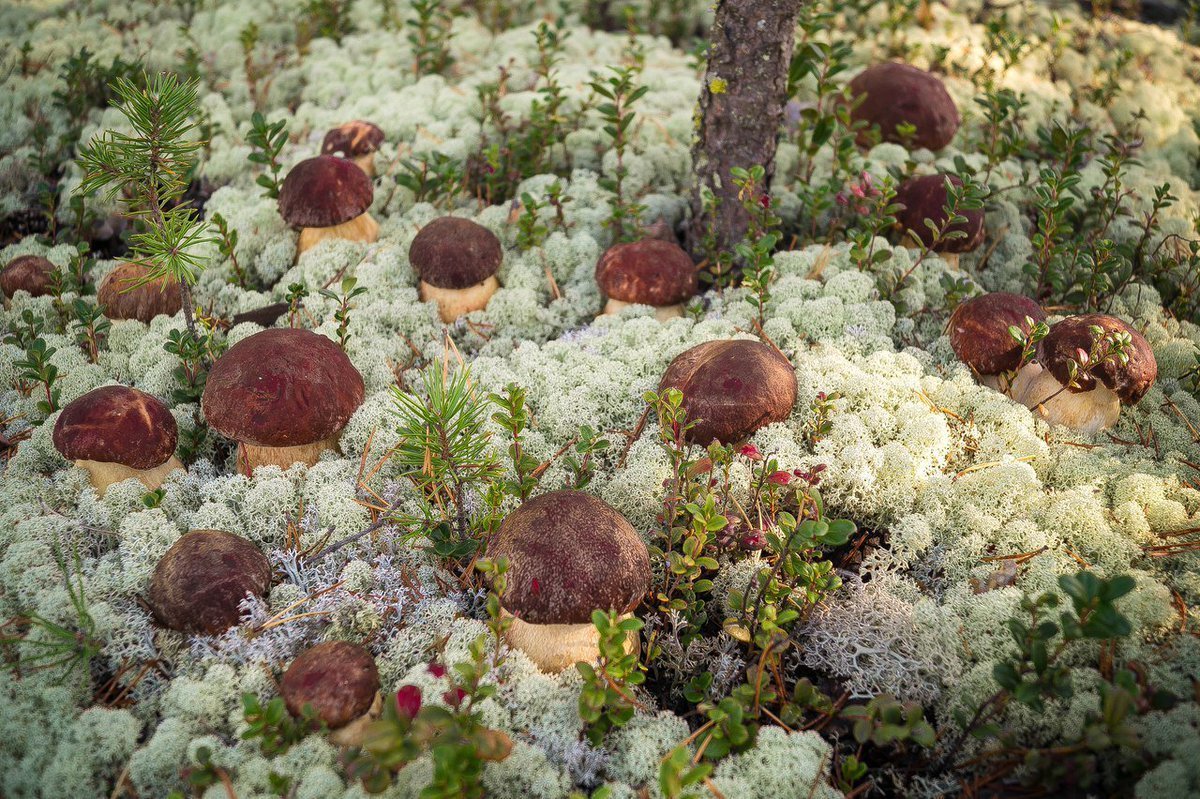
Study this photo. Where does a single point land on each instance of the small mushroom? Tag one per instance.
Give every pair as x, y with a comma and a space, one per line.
358, 140
894, 94
980, 338
125, 293
29, 273
284, 395
327, 198
457, 261
925, 197
117, 432
1095, 403
647, 272
731, 388
199, 583
341, 682
569, 554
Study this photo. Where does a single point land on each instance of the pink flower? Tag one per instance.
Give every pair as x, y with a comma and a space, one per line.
753, 541
780, 478
750, 451
437, 670
408, 701
454, 697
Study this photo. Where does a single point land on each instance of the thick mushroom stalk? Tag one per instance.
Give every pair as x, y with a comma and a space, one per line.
361, 228
340, 682
199, 584
558, 647
457, 261
980, 337
894, 96
328, 197
647, 272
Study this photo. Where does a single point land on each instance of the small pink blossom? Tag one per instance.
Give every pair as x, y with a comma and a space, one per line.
750, 451
408, 701
454, 697
780, 478
437, 670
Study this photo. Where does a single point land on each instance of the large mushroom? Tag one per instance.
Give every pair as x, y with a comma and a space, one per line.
126, 293
457, 261
894, 94
327, 198
357, 140
731, 388
284, 395
925, 198
199, 583
650, 272
569, 554
117, 432
31, 273
980, 337
340, 682
1094, 402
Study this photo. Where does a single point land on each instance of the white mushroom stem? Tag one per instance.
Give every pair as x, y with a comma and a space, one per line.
361, 228
1088, 411
557, 647
366, 163
355, 733
453, 303
250, 456
661, 312
105, 474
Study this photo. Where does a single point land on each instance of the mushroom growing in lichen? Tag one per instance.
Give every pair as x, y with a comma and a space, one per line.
925, 198
980, 337
327, 198
340, 682
357, 140
457, 261
125, 293
650, 272
31, 273
892, 95
199, 583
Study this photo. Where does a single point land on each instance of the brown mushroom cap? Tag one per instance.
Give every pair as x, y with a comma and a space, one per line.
282, 388
1129, 381
337, 678
455, 253
116, 424
352, 139
925, 198
899, 93
203, 577
323, 192
123, 298
27, 273
649, 272
979, 330
570, 554
731, 388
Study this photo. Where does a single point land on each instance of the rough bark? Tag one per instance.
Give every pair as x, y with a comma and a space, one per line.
750, 49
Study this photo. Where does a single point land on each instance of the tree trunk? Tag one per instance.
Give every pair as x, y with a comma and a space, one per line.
741, 109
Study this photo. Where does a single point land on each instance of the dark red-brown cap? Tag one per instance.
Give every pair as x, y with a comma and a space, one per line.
924, 198
570, 554
455, 253
649, 272
203, 577
282, 388
352, 139
124, 295
731, 388
27, 273
323, 192
337, 678
898, 93
116, 424
1129, 381
979, 330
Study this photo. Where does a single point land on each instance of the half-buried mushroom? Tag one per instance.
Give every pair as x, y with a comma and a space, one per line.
647, 272
327, 198
203, 578
925, 198
31, 273
357, 140
340, 682
126, 293
894, 94
569, 554
457, 261
979, 335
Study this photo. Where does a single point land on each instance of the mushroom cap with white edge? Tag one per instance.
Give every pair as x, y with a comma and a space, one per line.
116, 424
979, 330
455, 253
1129, 380
650, 271
323, 192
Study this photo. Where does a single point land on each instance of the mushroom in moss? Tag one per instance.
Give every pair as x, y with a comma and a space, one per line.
199, 583
568, 554
31, 273
357, 140
327, 198
892, 94
647, 272
125, 293
457, 261
284, 395
925, 198
340, 682
731, 388
980, 337
117, 432
1086, 368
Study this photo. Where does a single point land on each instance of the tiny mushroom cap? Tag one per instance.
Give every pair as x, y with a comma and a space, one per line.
199, 583
126, 294
731, 388
357, 140
979, 331
457, 261
338, 679
328, 197
29, 273
924, 198
117, 432
284, 395
893, 94
647, 272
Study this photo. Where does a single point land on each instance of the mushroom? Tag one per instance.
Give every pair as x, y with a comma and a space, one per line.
117, 432
284, 395
731, 388
1094, 403
126, 293
647, 272
327, 198
357, 140
980, 338
31, 273
457, 261
925, 197
893, 94
200, 582
340, 681
569, 554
